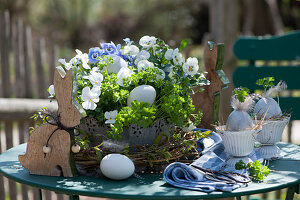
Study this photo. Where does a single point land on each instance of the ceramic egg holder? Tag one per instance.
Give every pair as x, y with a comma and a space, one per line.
238, 144
271, 134
48, 150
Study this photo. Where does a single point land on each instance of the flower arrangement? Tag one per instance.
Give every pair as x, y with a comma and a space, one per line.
134, 84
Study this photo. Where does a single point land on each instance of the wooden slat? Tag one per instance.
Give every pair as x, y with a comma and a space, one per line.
9, 144
60, 196
22, 132
52, 62
20, 109
285, 47
2, 191
4, 53
47, 195
39, 54
27, 48
18, 50
36, 195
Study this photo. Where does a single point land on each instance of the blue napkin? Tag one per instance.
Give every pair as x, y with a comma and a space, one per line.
213, 158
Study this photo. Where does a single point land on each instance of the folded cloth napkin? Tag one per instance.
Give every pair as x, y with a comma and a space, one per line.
213, 158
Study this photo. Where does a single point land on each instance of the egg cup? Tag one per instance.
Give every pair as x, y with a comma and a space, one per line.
238, 144
271, 134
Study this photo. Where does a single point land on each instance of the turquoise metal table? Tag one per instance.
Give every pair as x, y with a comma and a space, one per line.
286, 174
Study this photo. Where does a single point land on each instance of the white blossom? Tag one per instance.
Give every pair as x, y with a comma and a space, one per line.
178, 59
147, 41
142, 55
190, 127
191, 66
51, 91
110, 116
144, 64
95, 78
169, 54
116, 65
131, 50
90, 98
124, 73
84, 59
65, 64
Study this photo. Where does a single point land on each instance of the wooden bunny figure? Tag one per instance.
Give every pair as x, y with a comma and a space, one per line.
48, 148
208, 100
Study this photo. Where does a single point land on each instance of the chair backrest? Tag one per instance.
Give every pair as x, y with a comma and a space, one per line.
273, 56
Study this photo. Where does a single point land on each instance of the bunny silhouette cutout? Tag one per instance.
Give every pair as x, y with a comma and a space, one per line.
57, 161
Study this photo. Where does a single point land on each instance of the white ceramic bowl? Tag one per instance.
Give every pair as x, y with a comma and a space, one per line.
272, 131
238, 143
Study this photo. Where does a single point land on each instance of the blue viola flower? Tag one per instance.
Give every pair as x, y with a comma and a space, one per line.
94, 53
110, 48
127, 40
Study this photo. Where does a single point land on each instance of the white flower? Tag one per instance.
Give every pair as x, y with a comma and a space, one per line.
90, 98
95, 78
191, 66
178, 59
142, 55
131, 50
169, 54
51, 91
124, 72
65, 64
161, 74
62, 61
147, 41
84, 59
190, 127
111, 117
144, 64
116, 65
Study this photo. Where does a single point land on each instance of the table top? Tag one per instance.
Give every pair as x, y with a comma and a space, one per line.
150, 186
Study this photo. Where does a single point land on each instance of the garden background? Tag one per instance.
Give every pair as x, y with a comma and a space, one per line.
35, 33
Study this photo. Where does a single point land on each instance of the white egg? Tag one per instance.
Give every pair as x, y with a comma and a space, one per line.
144, 93
267, 106
239, 120
117, 166
117, 65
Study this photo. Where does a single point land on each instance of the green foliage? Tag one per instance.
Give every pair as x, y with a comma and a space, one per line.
39, 118
266, 82
184, 43
140, 113
257, 171
197, 117
241, 93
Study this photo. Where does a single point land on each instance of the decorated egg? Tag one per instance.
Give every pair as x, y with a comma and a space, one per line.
239, 120
117, 166
144, 93
267, 107
116, 65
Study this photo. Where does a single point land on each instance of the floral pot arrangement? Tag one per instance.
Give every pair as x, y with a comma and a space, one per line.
274, 121
239, 133
134, 100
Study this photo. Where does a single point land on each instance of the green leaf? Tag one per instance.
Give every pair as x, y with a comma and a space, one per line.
184, 43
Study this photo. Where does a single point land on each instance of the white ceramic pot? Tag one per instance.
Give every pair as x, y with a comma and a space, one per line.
239, 144
271, 134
